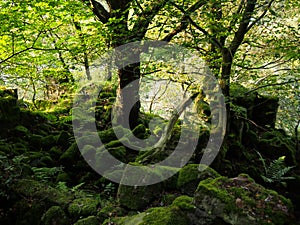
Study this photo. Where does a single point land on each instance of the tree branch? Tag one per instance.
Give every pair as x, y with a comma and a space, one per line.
184, 20
261, 16
146, 16
270, 85
98, 9
243, 27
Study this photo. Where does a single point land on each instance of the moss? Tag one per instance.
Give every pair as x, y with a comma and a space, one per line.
88, 151
63, 138
63, 177
139, 131
190, 176
35, 142
108, 135
165, 216
137, 198
37, 190
119, 153
55, 152
274, 144
91, 220
55, 215
109, 212
70, 156
241, 199
48, 142
83, 207
28, 212
184, 203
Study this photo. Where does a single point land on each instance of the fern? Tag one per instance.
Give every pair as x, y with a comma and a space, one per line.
276, 171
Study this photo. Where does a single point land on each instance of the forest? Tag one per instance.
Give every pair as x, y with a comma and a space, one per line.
141, 112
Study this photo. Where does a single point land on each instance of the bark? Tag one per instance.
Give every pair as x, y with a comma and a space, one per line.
162, 142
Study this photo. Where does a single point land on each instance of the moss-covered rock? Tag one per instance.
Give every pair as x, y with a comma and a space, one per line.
110, 211
138, 197
241, 201
190, 176
48, 142
70, 156
91, 220
139, 131
63, 138
55, 216
274, 144
83, 207
177, 213
28, 212
109, 135
55, 152
37, 190
9, 110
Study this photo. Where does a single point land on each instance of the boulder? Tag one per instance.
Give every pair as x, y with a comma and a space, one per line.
240, 201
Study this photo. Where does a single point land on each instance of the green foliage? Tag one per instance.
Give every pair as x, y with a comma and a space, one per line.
46, 174
10, 170
276, 171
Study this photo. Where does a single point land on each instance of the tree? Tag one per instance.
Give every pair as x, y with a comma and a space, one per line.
217, 28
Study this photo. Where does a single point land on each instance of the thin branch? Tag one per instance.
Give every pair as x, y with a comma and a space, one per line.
261, 16
242, 30
98, 9
271, 85
266, 66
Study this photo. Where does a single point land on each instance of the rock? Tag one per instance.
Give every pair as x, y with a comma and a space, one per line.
55, 216
83, 207
241, 201
139, 131
108, 135
274, 144
70, 156
55, 152
9, 110
48, 142
37, 190
190, 176
138, 197
91, 220
63, 139
178, 213
109, 212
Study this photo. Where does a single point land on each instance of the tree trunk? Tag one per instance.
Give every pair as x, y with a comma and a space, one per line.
128, 100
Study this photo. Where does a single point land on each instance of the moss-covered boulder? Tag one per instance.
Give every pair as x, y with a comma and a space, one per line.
9, 110
110, 211
275, 143
91, 220
109, 135
83, 207
180, 212
55, 216
241, 201
48, 142
190, 176
70, 156
31, 189
138, 197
